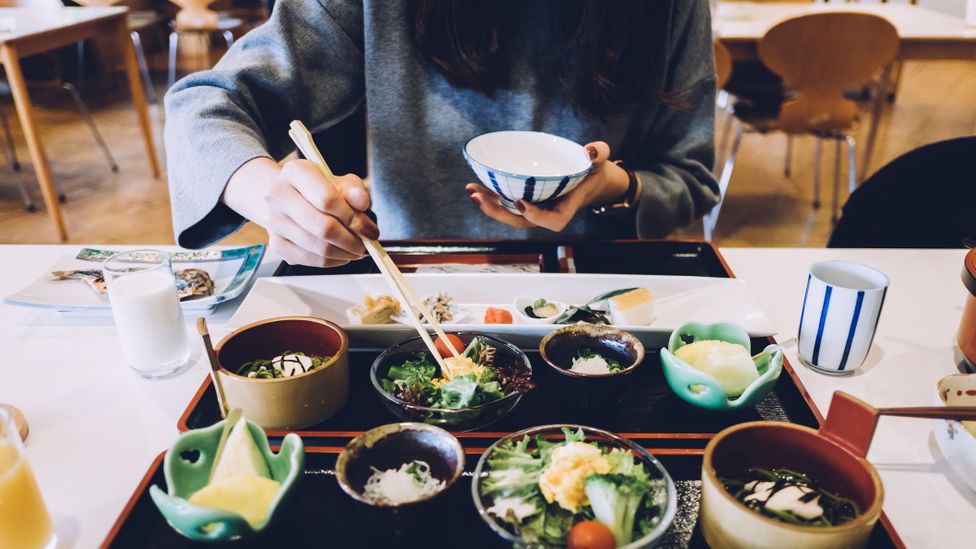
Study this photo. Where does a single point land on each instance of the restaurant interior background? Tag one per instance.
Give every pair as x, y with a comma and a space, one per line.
929, 100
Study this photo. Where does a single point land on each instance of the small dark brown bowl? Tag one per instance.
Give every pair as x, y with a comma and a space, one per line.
560, 347
388, 447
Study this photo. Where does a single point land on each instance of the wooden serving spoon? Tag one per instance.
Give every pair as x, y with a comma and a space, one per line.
214, 365
851, 422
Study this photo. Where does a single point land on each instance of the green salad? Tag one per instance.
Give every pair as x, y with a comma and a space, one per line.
480, 381
541, 489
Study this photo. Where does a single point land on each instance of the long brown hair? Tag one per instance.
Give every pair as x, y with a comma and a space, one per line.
608, 52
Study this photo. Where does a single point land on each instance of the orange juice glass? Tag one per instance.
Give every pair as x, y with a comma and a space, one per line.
24, 520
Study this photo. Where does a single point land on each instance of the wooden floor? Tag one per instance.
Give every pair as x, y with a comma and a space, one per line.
937, 100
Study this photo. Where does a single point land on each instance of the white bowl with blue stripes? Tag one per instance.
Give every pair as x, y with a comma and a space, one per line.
531, 166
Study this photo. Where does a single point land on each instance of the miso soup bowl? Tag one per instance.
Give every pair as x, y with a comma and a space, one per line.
531, 166
288, 402
725, 522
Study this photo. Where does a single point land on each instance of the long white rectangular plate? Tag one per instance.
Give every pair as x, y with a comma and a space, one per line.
679, 299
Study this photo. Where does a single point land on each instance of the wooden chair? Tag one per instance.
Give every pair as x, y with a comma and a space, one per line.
54, 82
138, 21
195, 18
839, 51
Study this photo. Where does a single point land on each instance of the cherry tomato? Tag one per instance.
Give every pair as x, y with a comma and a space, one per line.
444, 350
590, 534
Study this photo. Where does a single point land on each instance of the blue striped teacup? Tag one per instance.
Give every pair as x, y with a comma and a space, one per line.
532, 166
841, 307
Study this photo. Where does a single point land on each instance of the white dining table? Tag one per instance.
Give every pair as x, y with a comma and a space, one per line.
96, 427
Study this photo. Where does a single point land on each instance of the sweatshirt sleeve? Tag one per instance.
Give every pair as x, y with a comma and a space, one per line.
677, 154
305, 63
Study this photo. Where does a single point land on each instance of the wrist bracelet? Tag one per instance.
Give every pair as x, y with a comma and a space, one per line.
630, 197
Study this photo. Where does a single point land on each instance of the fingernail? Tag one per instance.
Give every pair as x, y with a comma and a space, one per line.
371, 232
474, 200
591, 151
520, 206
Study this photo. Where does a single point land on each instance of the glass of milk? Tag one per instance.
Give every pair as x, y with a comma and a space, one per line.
148, 317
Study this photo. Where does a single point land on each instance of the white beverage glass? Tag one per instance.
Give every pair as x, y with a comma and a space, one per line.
147, 312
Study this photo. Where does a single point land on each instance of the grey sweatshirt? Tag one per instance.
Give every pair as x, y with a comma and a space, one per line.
320, 60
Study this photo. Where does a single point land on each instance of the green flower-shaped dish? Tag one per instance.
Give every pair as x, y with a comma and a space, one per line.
704, 391
185, 477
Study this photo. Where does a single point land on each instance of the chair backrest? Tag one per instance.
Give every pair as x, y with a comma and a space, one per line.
922, 199
723, 64
821, 56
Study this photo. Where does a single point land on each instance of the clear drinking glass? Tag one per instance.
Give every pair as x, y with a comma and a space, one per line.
24, 520
148, 317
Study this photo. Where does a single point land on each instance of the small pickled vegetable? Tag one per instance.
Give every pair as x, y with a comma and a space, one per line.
444, 350
495, 315
590, 534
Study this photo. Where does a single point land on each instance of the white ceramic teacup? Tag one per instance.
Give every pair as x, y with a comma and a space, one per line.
841, 307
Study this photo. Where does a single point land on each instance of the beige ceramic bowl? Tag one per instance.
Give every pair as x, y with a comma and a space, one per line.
290, 402
727, 523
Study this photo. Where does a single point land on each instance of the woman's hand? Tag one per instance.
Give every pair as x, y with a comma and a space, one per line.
309, 221
607, 183
312, 223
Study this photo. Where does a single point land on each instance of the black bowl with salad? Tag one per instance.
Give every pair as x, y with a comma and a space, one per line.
573, 486
485, 383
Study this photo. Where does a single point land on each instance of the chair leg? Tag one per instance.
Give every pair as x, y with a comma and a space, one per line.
143, 67
174, 48
228, 38
205, 38
80, 51
817, 155
710, 220
14, 165
835, 201
9, 141
788, 168
851, 163
91, 125
720, 150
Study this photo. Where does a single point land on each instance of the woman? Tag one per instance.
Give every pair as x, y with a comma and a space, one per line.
633, 79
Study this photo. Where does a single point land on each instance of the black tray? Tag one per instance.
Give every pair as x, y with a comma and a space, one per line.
650, 413
324, 516
650, 257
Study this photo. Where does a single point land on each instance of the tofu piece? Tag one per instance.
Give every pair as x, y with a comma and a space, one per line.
634, 308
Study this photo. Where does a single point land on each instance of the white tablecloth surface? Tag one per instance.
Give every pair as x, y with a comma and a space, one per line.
95, 427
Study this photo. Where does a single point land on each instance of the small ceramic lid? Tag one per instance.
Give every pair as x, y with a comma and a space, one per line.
969, 271
19, 420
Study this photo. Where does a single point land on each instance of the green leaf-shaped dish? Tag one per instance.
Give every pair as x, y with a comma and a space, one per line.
704, 391
185, 477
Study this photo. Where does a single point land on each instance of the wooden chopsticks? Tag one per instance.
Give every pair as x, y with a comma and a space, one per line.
402, 290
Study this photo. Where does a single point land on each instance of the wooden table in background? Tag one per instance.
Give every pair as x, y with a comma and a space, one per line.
925, 34
39, 29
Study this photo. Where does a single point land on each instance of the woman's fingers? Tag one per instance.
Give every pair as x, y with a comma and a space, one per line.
556, 218
327, 228
489, 205
323, 196
289, 229
355, 191
294, 254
